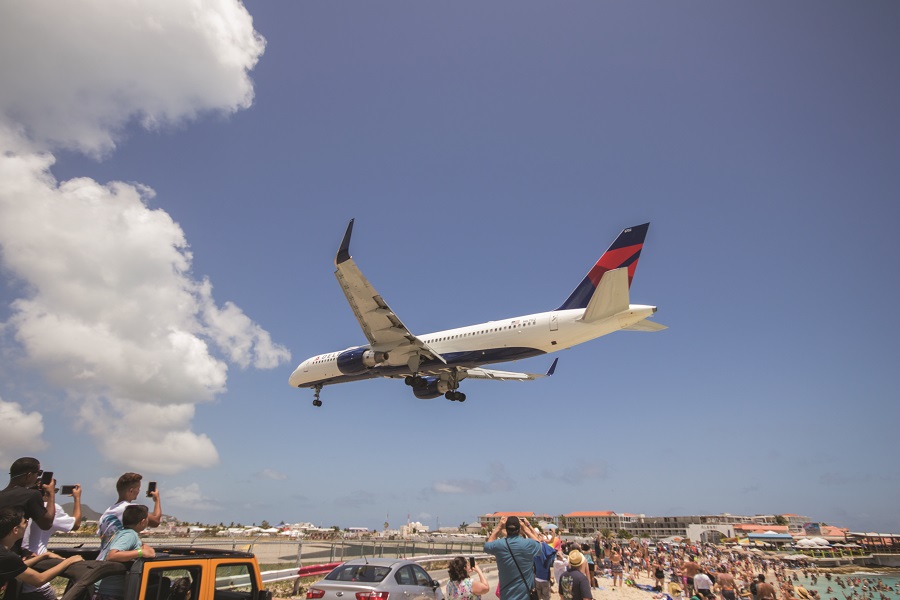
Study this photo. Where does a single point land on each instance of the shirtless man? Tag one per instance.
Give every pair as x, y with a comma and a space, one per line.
725, 582
690, 568
764, 590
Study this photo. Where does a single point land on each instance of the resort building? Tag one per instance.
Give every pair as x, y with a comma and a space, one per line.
490, 521
704, 528
590, 522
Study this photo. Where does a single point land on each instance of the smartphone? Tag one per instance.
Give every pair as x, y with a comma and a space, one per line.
47, 478
151, 487
67, 490
471, 562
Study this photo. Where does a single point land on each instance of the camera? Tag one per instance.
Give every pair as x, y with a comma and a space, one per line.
67, 490
151, 487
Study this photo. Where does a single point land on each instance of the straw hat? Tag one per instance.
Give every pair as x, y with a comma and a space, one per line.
575, 558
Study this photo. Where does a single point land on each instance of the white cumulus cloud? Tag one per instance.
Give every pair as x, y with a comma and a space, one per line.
76, 72
108, 307
189, 496
22, 432
272, 474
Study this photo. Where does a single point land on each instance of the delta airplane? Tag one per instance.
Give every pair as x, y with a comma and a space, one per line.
434, 364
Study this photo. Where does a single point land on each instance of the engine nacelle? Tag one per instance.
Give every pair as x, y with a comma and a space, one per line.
357, 360
434, 388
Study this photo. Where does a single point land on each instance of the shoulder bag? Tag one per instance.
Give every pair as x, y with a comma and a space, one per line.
532, 593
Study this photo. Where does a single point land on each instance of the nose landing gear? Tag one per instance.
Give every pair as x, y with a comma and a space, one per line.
318, 390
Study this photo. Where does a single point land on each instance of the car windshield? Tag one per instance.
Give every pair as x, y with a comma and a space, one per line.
363, 573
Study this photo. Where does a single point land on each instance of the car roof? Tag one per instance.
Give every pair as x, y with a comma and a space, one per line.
379, 562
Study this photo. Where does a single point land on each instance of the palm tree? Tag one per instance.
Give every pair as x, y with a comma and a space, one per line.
462, 526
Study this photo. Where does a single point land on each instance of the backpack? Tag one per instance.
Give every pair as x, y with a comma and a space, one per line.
566, 583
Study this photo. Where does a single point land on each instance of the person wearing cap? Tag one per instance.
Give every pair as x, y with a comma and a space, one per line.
24, 492
515, 556
573, 585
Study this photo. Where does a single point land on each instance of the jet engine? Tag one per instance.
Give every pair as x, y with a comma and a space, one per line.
433, 388
357, 360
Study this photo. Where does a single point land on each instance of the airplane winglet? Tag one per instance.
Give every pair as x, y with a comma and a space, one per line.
553, 367
344, 251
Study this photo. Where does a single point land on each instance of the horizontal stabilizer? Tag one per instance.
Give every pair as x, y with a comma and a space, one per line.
610, 297
646, 325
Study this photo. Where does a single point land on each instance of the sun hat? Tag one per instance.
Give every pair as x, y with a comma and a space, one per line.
575, 558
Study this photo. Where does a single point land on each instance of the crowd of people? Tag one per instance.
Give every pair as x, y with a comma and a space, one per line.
695, 572
29, 515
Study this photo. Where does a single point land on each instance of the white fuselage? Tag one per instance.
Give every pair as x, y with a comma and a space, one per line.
485, 343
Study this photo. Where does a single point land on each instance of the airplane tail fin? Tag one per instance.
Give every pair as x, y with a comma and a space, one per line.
624, 252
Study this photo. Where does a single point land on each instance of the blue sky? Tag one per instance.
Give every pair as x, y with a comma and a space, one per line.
175, 181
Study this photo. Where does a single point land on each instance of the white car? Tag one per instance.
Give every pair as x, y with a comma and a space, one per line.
377, 579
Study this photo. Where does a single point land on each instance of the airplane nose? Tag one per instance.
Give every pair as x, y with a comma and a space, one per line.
295, 379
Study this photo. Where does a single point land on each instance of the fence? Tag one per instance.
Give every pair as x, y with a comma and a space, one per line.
272, 551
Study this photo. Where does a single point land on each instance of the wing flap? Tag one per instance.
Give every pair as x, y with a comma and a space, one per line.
479, 373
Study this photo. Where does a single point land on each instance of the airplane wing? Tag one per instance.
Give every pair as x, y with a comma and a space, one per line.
480, 373
384, 330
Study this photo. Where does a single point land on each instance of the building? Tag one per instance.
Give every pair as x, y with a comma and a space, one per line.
490, 521
699, 528
589, 523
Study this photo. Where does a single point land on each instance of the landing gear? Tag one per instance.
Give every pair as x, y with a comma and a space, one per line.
316, 401
455, 396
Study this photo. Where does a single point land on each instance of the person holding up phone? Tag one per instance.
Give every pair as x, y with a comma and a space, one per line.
515, 554
461, 585
35, 540
25, 491
129, 487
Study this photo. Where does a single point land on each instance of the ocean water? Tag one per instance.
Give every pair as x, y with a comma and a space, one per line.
891, 579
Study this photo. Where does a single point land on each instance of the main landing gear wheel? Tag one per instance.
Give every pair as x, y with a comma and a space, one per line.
316, 401
457, 396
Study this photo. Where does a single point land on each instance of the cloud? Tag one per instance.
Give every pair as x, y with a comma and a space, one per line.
845, 479
75, 73
22, 432
188, 496
356, 499
109, 309
578, 473
496, 481
271, 474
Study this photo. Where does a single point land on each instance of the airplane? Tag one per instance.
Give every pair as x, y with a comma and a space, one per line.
434, 364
